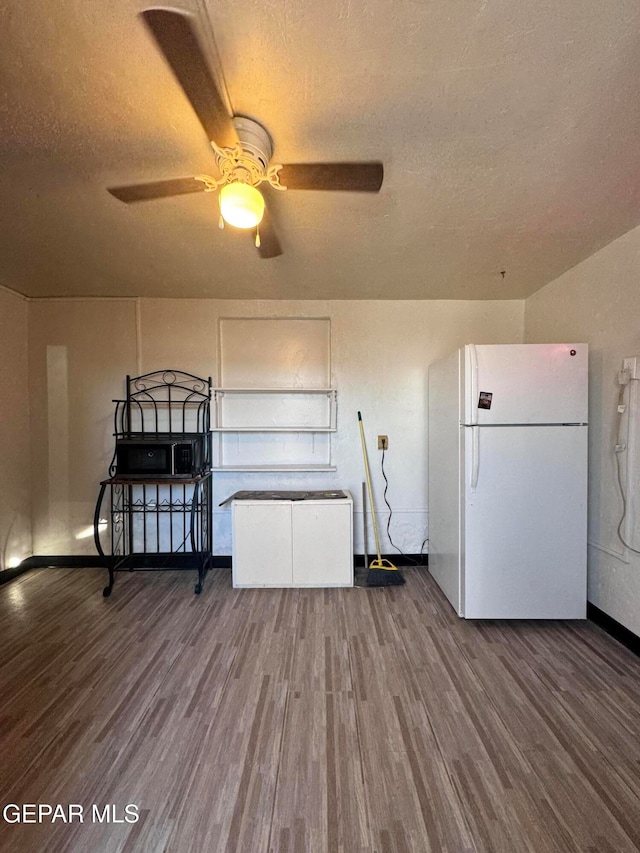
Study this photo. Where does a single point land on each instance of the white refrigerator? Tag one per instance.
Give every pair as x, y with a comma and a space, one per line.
508, 480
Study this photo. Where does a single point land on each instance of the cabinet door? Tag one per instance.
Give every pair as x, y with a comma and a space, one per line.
261, 544
322, 544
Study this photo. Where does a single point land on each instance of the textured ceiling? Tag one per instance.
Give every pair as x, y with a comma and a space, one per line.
508, 131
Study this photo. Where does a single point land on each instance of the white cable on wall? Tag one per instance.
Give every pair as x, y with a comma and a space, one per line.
621, 446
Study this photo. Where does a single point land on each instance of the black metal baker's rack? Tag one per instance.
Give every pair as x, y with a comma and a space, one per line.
158, 523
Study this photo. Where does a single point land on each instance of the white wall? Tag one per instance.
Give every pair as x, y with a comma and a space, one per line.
380, 356
598, 302
82, 350
15, 502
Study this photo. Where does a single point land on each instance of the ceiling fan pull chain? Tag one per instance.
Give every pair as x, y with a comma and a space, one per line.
221, 223
257, 237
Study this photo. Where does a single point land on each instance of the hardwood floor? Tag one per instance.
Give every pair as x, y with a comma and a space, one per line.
305, 721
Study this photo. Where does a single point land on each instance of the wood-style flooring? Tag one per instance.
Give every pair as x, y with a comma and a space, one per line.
308, 721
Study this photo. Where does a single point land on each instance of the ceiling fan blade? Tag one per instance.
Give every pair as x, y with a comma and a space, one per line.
351, 177
157, 189
269, 244
179, 44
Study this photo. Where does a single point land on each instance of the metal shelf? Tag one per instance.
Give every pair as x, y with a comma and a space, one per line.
158, 521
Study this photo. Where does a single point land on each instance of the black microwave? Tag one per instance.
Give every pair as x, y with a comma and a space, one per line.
162, 456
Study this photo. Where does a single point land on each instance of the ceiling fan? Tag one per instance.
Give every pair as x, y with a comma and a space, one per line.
242, 147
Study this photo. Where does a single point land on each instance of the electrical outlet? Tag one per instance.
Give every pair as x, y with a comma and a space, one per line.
631, 364
383, 442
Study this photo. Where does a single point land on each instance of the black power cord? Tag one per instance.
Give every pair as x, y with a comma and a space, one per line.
393, 544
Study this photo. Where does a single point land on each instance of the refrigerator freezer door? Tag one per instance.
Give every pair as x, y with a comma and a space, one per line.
525, 384
525, 523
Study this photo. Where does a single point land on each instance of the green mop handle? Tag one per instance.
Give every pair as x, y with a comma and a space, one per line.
370, 490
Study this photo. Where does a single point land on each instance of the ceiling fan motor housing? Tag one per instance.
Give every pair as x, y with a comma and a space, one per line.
254, 140
249, 160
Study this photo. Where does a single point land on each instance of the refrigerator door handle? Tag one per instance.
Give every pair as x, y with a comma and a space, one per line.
475, 456
473, 385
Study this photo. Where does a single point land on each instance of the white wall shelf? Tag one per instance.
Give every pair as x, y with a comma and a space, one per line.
225, 390
274, 429
281, 410
303, 466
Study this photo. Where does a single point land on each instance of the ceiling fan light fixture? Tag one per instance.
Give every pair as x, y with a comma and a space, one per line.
241, 205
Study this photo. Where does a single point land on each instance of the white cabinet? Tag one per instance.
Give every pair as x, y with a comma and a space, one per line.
280, 543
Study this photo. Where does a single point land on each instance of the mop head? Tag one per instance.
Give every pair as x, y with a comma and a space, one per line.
384, 573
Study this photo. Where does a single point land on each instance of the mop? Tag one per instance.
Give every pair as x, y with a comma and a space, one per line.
381, 572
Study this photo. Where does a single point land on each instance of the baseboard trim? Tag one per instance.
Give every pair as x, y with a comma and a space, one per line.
93, 561
9, 574
403, 560
222, 561
615, 629
64, 561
